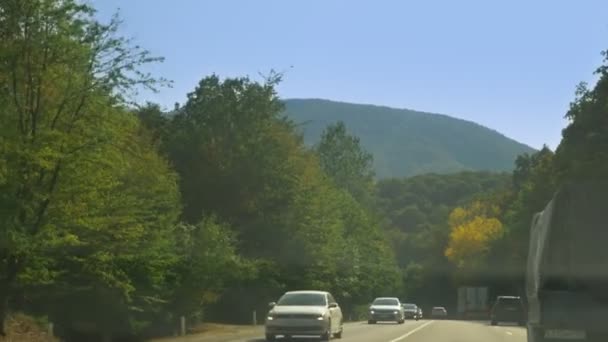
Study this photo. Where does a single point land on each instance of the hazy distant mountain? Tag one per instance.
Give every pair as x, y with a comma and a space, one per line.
406, 142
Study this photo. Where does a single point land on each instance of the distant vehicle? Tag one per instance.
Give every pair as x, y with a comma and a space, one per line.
472, 302
567, 270
420, 313
304, 313
411, 311
508, 309
386, 309
439, 312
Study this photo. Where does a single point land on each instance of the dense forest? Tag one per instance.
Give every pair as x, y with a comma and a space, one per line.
120, 217
406, 142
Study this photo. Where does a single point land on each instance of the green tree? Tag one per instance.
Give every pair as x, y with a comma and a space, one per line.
368, 265
582, 153
64, 77
208, 263
535, 182
416, 212
108, 238
345, 161
155, 121
225, 143
239, 161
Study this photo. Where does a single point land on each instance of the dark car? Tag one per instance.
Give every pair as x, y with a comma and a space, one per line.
410, 310
439, 312
508, 309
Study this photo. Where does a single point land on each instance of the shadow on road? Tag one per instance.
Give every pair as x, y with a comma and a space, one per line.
501, 324
514, 325
302, 339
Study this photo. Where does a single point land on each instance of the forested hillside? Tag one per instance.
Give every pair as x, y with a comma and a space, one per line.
405, 142
416, 212
117, 218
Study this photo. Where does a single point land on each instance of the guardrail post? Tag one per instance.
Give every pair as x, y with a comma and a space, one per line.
182, 326
255, 318
50, 331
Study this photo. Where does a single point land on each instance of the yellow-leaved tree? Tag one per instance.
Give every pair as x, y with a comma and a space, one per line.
473, 228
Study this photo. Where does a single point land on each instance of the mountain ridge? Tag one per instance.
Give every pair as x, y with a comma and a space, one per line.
408, 142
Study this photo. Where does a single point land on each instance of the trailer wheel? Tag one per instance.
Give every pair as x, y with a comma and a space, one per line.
535, 334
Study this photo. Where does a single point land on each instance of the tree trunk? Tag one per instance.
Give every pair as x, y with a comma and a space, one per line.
3, 305
6, 283
106, 336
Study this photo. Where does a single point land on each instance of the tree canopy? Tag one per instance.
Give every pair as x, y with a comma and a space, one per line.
345, 161
215, 207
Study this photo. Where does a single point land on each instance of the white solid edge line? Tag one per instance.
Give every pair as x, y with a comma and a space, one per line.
411, 332
509, 333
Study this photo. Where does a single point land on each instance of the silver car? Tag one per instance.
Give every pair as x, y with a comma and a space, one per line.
386, 309
304, 313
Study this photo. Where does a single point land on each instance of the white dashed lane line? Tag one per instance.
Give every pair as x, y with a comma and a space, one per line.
411, 332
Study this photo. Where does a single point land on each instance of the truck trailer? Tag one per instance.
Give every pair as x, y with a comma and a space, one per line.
567, 267
472, 302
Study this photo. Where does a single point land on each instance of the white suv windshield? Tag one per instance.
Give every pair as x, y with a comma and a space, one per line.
385, 301
313, 299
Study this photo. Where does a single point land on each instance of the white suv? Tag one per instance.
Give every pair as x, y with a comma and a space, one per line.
300, 313
386, 309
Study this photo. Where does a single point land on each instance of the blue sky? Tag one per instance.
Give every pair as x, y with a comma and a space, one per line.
510, 65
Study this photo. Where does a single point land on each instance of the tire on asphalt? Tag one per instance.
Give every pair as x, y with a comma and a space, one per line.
327, 335
493, 322
339, 333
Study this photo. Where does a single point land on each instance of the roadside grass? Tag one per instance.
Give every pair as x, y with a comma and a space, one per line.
23, 328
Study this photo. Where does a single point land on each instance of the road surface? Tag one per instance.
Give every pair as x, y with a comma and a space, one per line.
424, 331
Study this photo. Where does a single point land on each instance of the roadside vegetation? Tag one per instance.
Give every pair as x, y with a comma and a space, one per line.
118, 218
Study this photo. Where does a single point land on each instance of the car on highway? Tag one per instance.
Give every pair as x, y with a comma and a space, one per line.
411, 311
386, 309
508, 309
439, 312
304, 313
420, 313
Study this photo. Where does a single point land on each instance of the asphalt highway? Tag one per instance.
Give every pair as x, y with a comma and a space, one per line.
423, 331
